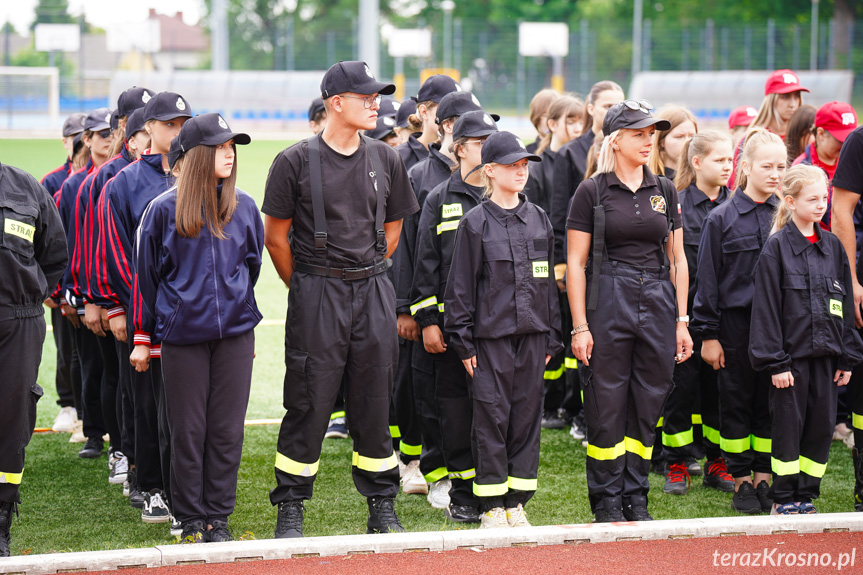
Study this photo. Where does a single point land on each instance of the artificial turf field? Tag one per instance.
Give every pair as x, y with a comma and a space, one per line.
68, 505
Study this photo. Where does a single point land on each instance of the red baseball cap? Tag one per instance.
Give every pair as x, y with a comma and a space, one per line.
838, 118
783, 82
741, 116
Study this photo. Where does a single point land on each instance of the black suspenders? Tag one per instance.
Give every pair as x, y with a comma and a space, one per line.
318, 210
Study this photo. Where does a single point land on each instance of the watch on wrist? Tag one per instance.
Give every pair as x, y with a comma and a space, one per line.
684, 319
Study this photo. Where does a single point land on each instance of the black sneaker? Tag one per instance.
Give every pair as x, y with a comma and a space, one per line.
176, 527
608, 510
155, 508
289, 523
717, 476
745, 500
136, 498
462, 513
635, 508
6, 510
552, 420
193, 532
382, 516
338, 428
763, 494
219, 533
693, 466
677, 479
92, 448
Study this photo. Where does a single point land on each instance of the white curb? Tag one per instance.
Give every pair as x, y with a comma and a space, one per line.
264, 549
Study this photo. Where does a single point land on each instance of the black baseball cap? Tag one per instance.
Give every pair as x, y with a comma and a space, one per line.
98, 120
204, 130
115, 120
632, 115
316, 108
389, 107
406, 108
132, 99
385, 126
135, 122
458, 103
436, 87
352, 76
505, 148
74, 124
167, 106
473, 124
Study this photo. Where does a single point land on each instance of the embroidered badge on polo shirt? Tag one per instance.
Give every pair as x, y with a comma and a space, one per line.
658, 204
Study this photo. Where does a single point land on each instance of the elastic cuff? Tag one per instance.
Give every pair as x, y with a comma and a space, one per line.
141, 338
116, 311
156, 351
425, 320
781, 368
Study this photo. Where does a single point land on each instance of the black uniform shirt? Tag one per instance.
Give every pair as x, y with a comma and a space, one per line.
501, 281
427, 174
695, 206
804, 303
568, 174
635, 223
849, 169
33, 252
412, 152
733, 236
541, 184
350, 199
441, 213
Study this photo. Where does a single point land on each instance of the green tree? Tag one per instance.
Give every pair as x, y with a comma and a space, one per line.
52, 12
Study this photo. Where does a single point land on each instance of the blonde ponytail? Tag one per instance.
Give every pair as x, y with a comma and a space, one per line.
606, 162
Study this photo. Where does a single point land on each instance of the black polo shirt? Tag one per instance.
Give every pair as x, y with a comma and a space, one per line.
350, 199
849, 169
635, 222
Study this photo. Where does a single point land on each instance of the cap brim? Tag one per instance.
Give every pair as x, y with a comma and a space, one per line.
171, 116
841, 135
478, 133
650, 121
373, 88
239, 138
100, 126
787, 89
516, 157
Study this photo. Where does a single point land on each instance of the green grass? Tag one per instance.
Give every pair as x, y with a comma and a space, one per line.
69, 506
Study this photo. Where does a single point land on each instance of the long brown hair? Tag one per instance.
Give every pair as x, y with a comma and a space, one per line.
676, 115
700, 145
595, 91
564, 107
119, 138
197, 201
79, 158
539, 106
800, 127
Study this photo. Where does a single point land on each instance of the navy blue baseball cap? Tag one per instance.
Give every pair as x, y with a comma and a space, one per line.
135, 122
98, 120
167, 106
316, 108
386, 125
389, 107
436, 87
473, 124
74, 124
457, 103
406, 108
505, 148
205, 130
132, 99
352, 76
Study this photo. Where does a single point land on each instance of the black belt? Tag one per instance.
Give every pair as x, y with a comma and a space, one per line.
347, 274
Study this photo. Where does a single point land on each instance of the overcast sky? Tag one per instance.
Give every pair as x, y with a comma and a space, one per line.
103, 13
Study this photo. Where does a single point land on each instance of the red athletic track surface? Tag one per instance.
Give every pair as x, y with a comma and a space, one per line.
680, 556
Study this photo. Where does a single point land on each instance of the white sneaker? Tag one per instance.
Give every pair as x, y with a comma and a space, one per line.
413, 480
78, 433
119, 466
841, 431
402, 467
176, 527
493, 518
849, 440
576, 432
516, 517
65, 420
438, 495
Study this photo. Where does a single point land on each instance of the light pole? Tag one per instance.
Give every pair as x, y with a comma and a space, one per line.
813, 38
447, 6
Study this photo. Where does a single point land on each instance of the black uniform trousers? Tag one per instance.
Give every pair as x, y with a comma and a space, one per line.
207, 389
146, 386
67, 361
334, 328
404, 423
694, 393
110, 381
453, 403
90, 357
163, 423
744, 411
507, 395
855, 390
803, 417
432, 461
629, 377
20, 354
125, 409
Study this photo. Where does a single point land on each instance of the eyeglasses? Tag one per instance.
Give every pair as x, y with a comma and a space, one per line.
368, 101
642, 105
104, 134
480, 142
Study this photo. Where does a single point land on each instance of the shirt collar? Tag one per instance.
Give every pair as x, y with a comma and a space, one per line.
745, 204
649, 180
699, 197
799, 242
500, 214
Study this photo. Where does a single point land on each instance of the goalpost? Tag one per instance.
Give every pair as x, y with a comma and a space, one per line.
29, 98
